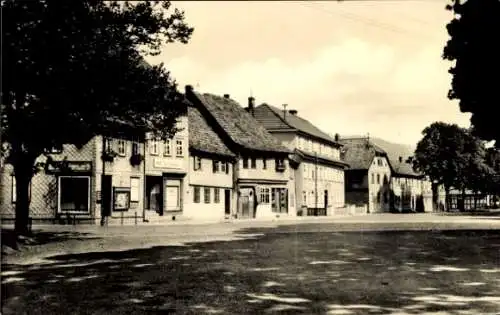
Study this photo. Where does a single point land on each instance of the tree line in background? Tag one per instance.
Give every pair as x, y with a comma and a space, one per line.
453, 157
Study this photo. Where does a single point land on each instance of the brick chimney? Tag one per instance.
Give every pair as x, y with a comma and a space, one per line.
293, 112
226, 95
251, 105
337, 137
188, 89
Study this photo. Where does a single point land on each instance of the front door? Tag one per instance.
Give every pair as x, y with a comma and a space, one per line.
227, 202
246, 203
106, 195
326, 199
172, 195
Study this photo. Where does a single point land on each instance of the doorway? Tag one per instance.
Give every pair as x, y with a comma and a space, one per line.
154, 193
246, 203
326, 199
227, 201
106, 195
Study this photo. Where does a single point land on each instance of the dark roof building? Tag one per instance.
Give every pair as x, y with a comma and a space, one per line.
234, 124
360, 152
202, 138
399, 155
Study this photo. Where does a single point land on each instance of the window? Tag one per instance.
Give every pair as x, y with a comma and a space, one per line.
245, 162
196, 194
254, 163
215, 166
134, 189
54, 150
167, 150
206, 194
74, 194
121, 147
378, 178
378, 196
14, 191
216, 195
280, 164
153, 149
178, 150
135, 148
379, 161
304, 197
264, 163
108, 144
373, 178
223, 167
264, 195
386, 180
197, 163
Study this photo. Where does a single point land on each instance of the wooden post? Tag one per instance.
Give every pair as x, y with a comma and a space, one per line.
121, 218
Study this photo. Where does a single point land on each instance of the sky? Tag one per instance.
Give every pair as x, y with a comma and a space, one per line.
351, 67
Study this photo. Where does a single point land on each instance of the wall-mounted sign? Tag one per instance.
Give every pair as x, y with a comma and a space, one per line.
69, 166
168, 163
121, 198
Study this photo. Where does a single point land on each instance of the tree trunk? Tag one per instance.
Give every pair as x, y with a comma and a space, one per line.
435, 196
462, 204
475, 200
23, 169
447, 199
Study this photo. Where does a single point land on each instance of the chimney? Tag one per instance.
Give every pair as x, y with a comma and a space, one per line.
400, 159
337, 137
293, 112
189, 89
251, 105
284, 111
226, 95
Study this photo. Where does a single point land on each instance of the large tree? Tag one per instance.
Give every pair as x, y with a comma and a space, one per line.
451, 156
72, 69
473, 47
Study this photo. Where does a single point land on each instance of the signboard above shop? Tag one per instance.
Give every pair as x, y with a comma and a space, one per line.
69, 167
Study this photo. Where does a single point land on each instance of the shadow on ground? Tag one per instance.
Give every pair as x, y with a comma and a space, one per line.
281, 271
9, 241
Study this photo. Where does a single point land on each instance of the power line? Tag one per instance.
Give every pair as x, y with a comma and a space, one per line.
351, 16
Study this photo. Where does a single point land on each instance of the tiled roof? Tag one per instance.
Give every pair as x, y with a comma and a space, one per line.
272, 118
323, 158
359, 153
202, 137
238, 124
394, 151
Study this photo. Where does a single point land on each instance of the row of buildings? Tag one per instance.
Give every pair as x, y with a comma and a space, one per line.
226, 162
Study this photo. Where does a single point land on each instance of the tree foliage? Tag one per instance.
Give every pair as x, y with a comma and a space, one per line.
452, 156
75, 69
473, 46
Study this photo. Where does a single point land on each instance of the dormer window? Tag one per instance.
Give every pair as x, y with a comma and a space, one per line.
245, 162
264, 163
253, 163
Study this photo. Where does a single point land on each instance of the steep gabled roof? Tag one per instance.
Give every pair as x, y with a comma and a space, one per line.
394, 152
359, 153
274, 119
202, 137
240, 127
